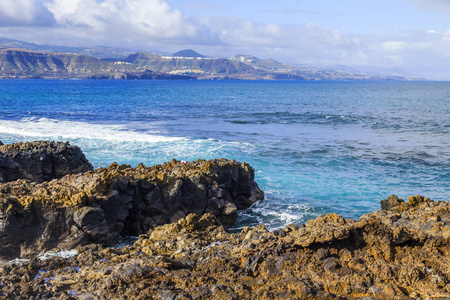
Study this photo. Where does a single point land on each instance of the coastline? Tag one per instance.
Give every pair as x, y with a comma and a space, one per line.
398, 252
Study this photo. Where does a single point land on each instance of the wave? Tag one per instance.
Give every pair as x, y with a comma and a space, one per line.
289, 211
44, 128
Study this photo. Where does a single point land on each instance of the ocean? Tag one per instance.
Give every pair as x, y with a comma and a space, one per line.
316, 147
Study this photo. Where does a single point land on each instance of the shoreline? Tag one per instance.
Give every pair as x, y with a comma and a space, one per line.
398, 252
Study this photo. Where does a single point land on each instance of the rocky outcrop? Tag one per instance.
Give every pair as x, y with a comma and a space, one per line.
401, 252
40, 161
101, 205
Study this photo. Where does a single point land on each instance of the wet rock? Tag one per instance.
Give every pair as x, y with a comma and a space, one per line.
41, 161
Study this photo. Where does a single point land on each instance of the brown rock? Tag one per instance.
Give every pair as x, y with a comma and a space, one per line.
101, 205
195, 258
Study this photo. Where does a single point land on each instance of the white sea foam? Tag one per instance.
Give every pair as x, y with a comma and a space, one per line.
44, 128
64, 254
263, 213
43, 256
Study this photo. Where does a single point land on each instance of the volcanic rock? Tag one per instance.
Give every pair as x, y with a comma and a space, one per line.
398, 253
40, 161
101, 205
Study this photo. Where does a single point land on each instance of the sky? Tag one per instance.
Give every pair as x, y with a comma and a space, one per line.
410, 34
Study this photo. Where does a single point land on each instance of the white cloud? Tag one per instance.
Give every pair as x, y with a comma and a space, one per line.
131, 18
20, 10
23, 12
394, 46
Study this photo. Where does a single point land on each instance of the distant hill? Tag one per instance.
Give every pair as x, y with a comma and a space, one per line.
244, 67
25, 60
187, 53
20, 63
174, 64
20, 59
97, 52
143, 59
257, 63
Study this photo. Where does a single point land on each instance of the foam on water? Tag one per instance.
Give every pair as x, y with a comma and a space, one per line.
45, 128
64, 254
43, 256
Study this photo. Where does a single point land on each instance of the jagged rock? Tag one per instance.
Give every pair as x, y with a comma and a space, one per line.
195, 258
101, 205
40, 161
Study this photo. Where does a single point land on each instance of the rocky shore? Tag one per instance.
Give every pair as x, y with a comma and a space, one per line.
399, 252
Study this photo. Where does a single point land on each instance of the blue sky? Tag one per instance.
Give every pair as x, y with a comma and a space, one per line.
409, 34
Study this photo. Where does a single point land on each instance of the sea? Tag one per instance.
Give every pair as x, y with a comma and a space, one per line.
316, 147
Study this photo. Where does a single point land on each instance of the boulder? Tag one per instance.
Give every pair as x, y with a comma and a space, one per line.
40, 161
102, 205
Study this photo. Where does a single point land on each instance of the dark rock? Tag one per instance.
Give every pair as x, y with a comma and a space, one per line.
100, 206
41, 161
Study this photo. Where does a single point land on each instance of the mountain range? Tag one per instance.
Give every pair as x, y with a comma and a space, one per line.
20, 59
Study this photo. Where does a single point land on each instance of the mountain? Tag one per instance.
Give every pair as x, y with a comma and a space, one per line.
268, 64
20, 63
187, 53
187, 65
143, 59
24, 60
20, 59
244, 67
97, 52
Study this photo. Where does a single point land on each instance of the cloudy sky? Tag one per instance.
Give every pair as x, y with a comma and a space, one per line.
410, 34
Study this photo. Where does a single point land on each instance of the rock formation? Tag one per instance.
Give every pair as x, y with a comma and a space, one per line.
181, 212
40, 161
400, 252
101, 205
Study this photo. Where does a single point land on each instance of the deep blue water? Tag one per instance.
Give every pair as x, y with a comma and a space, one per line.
317, 147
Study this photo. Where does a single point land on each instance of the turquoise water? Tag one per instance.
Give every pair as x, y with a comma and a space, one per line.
317, 147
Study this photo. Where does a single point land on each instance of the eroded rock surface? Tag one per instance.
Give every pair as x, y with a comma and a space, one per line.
402, 252
101, 205
40, 161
